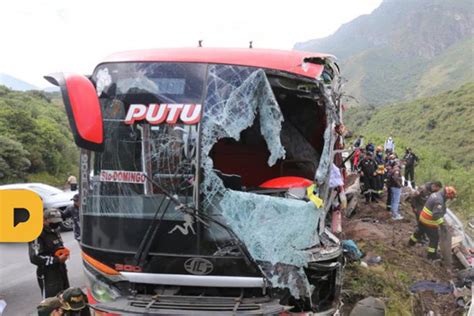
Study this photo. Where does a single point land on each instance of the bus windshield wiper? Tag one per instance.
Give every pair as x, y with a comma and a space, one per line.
147, 240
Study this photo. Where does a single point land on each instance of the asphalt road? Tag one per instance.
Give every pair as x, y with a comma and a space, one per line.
18, 285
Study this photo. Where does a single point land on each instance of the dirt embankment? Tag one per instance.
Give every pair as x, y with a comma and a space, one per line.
376, 234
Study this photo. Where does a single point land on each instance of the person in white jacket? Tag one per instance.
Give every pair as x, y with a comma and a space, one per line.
389, 145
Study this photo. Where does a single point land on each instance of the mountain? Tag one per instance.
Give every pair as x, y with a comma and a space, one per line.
439, 129
51, 89
15, 84
404, 49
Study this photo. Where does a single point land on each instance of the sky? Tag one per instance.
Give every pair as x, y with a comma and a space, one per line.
39, 37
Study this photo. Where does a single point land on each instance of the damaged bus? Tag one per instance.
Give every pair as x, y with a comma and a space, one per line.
204, 181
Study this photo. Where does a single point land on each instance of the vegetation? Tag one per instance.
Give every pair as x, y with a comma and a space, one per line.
403, 50
35, 138
390, 280
439, 130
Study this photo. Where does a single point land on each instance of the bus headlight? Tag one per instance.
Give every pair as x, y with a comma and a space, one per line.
100, 291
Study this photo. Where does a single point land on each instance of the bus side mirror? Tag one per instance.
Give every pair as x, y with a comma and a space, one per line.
82, 108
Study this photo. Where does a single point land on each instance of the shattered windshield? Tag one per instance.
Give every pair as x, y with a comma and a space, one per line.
151, 120
211, 135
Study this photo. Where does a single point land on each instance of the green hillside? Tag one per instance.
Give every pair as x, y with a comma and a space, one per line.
35, 140
439, 129
404, 50
454, 66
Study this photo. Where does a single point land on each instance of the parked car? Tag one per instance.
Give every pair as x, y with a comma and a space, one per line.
52, 197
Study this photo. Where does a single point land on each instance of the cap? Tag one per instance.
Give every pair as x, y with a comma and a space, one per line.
47, 306
75, 198
73, 299
53, 215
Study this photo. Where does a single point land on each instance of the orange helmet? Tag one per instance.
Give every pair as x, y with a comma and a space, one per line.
450, 192
379, 148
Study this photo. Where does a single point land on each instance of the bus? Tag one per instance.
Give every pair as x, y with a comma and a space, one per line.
207, 180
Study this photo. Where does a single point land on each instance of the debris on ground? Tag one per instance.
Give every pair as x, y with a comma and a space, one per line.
369, 306
370, 226
436, 287
359, 230
374, 260
351, 251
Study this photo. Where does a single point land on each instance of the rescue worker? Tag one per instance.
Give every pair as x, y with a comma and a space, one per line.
421, 195
410, 160
46, 252
395, 183
431, 217
73, 212
50, 306
380, 169
74, 302
367, 171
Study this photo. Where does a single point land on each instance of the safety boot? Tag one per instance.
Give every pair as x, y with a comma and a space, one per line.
433, 256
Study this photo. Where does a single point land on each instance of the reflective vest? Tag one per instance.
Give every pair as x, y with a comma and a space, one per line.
426, 218
434, 210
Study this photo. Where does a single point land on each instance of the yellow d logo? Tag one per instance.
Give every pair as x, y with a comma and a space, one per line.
21, 216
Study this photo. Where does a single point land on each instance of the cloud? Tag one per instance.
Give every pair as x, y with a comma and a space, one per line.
40, 37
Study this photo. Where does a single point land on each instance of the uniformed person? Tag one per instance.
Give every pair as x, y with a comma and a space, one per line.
48, 253
430, 219
74, 302
50, 306
421, 195
367, 170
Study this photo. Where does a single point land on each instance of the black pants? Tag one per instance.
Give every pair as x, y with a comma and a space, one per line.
379, 180
52, 280
389, 198
369, 188
431, 232
410, 175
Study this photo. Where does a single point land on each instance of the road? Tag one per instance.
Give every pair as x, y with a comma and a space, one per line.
18, 285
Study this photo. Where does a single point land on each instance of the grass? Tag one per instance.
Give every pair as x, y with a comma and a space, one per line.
385, 282
439, 129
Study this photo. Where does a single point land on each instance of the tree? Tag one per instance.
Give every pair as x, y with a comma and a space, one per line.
13, 161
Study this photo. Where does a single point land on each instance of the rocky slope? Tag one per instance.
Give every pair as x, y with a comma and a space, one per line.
404, 49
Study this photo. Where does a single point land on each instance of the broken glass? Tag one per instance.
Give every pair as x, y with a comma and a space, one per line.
276, 231
235, 95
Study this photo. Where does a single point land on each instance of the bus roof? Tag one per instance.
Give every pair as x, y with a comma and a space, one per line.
288, 61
